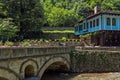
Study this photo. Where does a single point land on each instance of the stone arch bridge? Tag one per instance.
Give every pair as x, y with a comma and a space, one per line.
20, 63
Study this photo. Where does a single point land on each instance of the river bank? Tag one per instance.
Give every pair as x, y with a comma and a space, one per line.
83, 76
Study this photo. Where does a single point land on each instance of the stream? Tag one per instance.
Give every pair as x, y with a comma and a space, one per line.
83, 76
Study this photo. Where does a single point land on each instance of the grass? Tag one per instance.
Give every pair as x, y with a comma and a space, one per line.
58, 31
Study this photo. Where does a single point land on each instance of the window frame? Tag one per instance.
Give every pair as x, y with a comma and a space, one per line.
97, 22
91, 24
108, 21
80, 27
84, 26
87, 25
75, 29
113, 21
94, 23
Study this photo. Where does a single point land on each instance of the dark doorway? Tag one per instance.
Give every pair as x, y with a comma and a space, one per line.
29, 71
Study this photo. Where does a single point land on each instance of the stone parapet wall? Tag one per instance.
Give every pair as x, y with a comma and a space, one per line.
9, 53
95, 61
58, 35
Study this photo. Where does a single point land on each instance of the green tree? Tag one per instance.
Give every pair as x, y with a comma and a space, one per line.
27, 14
31, 16
60, 17
116, 4
107, 5
3, 11
7, 28
82, 9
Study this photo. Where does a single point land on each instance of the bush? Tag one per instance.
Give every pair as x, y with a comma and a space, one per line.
46, 40
41, 40
8, 43
1, 43
33, 41
26, 44
64, 39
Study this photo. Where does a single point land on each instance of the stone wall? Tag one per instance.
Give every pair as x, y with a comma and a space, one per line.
14, 68
9, 53
57, 44
95, 61
58, 28
58, 35
14, 61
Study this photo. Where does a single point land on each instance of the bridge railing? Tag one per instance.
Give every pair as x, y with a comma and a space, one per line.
6, 53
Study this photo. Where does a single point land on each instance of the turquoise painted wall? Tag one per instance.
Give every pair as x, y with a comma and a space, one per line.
102, 24
111, 27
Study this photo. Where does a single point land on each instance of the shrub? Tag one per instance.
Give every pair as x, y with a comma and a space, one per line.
41, 40
46, 40
26, 44
1, 43
64, 38
8, 43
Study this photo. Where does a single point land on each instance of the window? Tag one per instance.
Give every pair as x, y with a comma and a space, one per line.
80, 27
84, 25
108, 21
76, 28
113, 22
97, 22
90, 24
93, 23
87, 25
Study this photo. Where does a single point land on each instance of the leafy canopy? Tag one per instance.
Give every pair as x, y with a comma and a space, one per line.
7, 28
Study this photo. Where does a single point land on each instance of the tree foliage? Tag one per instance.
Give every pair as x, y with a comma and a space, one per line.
60, 17
30, 15
26, 14
56, 9
7, 28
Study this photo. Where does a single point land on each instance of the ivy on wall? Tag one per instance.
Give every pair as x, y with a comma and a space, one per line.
95, 61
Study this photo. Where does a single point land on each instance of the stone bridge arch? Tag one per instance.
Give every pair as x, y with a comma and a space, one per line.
28, 66
51, 61
7, 74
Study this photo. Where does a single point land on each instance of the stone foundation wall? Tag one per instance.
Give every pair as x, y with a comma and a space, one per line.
15, 61
58, 35
57, 44
95, 61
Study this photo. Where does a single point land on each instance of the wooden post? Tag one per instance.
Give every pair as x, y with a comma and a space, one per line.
102, 39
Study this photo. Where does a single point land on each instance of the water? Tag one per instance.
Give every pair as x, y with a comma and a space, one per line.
85, 76
33, 78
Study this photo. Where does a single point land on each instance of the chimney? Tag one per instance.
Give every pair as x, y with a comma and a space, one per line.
97, 8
